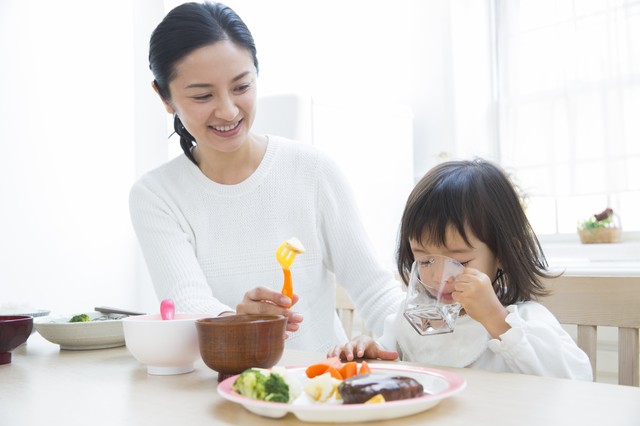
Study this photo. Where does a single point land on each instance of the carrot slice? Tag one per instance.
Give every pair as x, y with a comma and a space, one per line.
364, 368
316, 370
349, 369
335, 373
322, 367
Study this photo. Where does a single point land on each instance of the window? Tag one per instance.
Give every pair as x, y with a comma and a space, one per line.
568, 76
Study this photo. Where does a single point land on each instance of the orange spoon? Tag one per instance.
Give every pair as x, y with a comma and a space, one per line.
285, 254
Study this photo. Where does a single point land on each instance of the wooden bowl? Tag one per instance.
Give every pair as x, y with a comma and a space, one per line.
14, 331
232, 344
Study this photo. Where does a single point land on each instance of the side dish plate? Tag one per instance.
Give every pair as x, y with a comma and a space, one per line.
438, 385
104, 331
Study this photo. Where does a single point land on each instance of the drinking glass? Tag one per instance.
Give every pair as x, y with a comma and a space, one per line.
429, 307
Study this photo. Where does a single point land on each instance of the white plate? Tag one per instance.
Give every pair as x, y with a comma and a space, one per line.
437, 384
31, 313
106, 332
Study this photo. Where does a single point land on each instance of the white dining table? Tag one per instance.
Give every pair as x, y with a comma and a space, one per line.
44, 385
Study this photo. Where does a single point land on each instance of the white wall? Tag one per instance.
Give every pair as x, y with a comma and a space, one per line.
79, 121
67, 154
375, 159
431, 56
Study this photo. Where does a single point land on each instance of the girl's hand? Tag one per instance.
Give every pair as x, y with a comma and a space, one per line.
362, 347
265, 301
473, 290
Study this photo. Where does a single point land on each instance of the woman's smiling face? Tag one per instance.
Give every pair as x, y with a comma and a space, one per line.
214, 94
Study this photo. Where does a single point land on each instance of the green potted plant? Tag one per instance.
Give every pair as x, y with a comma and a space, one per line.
603, 227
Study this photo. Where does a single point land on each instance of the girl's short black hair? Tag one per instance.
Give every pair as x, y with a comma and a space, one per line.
478, 197
184, 29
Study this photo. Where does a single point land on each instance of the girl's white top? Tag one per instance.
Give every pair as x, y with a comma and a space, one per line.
536, 344
206, 244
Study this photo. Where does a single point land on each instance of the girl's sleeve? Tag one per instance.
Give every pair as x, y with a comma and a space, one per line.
537, 344
349, 253
167, 246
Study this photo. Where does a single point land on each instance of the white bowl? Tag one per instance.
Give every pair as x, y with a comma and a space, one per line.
104, 331
165, 346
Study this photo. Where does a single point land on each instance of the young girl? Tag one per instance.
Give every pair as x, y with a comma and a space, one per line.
469, 211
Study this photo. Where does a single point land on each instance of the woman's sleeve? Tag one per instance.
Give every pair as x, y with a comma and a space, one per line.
537, 344
167, 245
349, 252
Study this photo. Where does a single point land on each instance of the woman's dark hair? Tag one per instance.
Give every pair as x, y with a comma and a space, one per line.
478, 197
186, 28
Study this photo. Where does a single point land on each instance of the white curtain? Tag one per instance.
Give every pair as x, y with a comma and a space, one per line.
568, 75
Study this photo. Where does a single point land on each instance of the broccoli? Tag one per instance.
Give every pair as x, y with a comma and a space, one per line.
80, 318
251, 383
264, 385
276, 388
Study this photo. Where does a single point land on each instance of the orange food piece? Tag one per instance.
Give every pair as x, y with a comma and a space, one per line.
322, 367
316, 370
364, 368
335, 373
349, 369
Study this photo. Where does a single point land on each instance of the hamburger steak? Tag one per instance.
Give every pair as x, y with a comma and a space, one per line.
359, 389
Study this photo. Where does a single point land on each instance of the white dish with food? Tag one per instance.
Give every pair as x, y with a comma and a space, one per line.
437, 384
103, 331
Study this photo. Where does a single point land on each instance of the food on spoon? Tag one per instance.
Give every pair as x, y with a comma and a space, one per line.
295, 245
361, 388
274, 385
80, 318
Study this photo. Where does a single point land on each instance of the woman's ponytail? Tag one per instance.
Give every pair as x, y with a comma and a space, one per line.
187, 142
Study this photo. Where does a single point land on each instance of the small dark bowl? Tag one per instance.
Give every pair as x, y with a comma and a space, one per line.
14, 331
232, 344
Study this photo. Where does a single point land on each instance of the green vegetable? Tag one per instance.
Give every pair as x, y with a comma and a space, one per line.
251, 384
276, 388
80, 318
603, 219
264, 385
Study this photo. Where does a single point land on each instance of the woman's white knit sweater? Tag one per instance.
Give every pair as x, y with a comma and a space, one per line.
206, 244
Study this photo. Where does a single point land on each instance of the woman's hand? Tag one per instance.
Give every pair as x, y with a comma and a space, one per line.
473, 290
265, 301
362, 347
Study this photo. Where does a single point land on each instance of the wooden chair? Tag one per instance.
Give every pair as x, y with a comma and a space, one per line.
346, 311
592, 301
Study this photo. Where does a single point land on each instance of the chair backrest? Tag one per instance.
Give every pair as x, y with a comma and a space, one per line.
592, 301
346, 311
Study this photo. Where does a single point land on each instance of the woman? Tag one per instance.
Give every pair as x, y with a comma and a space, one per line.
209, 222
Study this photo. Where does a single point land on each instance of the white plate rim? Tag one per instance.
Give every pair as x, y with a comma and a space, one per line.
353, 412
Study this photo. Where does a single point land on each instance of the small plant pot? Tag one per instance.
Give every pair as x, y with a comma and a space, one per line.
600, 235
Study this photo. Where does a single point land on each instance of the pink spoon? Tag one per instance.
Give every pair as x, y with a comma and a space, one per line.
167, 309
